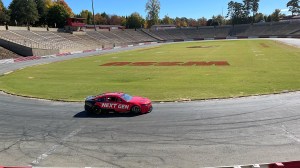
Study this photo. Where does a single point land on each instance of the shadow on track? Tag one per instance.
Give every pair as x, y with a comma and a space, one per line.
84, 114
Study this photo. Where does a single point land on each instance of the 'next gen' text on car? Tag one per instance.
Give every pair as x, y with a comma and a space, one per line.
117, 102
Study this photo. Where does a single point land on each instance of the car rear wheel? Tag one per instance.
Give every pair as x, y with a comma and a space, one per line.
136, 110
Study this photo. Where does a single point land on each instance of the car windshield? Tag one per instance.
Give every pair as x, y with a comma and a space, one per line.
126, 97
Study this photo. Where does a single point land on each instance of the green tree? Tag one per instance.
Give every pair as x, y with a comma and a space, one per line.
42, 11
24, 12
135, 20
99, 19
236, 12
87, 15
153, 9
275, 16
167, 20
259, 17
57, 15
254, 8
247, 7
4, 15
294, 7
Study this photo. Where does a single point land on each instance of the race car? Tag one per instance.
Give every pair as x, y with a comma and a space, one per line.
117, 102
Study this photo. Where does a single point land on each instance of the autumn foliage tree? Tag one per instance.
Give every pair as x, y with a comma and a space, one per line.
57, 15
65, 6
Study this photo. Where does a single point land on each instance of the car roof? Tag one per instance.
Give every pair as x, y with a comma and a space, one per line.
113, 94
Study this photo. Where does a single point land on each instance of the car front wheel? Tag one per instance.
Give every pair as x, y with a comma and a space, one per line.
136, 110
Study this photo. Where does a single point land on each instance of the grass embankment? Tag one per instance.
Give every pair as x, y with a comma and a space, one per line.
256, 67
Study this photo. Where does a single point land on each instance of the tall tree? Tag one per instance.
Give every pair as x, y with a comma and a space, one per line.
87, 15
236, 12
275, 16
42, 11
247, 6
153, 9
66, 7
135, 20
115, 20
99, 20
192, 22
259, 17
57, 15
1, 5
4, 15
202, 21
167, 20
294, 7
24, 12
255, 6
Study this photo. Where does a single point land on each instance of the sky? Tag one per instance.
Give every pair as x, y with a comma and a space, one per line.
173, 8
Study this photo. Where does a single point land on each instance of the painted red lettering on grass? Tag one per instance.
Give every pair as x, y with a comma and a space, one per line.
202, 63
116, 64
142, 63
169, 63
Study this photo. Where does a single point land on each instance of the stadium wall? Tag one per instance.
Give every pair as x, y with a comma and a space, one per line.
26, 51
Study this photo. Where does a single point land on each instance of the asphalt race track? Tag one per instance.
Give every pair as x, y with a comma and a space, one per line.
258, 129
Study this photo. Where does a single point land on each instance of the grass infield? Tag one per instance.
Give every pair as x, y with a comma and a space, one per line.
256, 67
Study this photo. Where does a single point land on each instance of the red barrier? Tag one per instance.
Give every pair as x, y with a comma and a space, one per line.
295, 164
21, 59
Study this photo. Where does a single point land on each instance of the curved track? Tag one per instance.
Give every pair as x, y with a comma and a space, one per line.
192, 134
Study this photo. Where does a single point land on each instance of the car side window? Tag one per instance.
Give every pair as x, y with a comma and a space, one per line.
111, 99
120, 100
101, 99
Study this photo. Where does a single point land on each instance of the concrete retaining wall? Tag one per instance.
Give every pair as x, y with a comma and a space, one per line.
26, 51
31, 28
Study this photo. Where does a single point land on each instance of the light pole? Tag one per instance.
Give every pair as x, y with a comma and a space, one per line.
93, 15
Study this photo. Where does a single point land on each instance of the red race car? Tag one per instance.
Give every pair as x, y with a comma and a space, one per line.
117, 102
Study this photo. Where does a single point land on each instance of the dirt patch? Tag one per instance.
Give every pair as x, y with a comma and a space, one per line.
202, 46
264, 45
145, 49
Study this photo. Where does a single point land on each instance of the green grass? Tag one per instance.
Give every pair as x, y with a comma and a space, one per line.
254, 69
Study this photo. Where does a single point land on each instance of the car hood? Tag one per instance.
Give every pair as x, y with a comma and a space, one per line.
140, 100
89, 98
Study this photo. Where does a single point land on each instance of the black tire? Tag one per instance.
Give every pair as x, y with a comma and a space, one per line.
135, 110
97, 110
87, 109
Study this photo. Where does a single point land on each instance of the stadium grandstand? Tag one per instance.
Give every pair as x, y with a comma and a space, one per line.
78, 37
